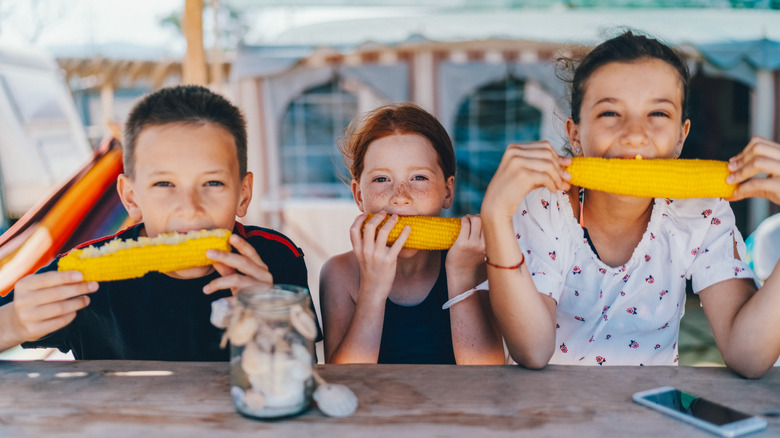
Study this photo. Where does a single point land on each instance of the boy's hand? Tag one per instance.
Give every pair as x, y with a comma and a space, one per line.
44, 303
467, 254
759, 156
238, 270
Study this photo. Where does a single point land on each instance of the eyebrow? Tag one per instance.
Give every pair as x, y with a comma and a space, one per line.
614, 100
385, 169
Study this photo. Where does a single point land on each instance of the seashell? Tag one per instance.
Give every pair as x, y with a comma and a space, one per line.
221, 312
301, 354
242, 330
238, 395
254, 361
303, 322
335, 400
254, 400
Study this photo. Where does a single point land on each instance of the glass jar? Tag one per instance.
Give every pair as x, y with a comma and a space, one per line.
272, 336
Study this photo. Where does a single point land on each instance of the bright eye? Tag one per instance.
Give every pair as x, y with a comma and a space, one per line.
608, 114
162, 184
380, 179
659, 114
420, 178
215, 184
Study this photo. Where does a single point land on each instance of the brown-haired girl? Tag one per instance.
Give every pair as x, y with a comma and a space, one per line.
383, 304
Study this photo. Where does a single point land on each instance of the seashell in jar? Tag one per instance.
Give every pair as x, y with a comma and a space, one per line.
238, 395
335, 400
242, 330
221, 312
254, 400
301, 354
303, 322
255, 361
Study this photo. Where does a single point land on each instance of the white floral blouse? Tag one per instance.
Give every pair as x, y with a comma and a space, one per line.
630, 314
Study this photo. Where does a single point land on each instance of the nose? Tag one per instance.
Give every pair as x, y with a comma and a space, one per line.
635, 134
191, 204
401, 195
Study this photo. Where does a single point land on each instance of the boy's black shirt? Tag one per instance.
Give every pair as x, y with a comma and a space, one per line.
158, 317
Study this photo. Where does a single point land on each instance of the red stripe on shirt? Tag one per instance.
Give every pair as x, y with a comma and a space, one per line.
270, 236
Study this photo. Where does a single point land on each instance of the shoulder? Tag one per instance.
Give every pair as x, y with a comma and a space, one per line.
268, 240
124, 234
684, 214
340, 266
340, 274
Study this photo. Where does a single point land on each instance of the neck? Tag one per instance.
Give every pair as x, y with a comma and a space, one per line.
616, 212
418, 262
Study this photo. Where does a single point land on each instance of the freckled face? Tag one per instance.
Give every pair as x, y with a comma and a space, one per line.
401, 175
629, 109
186, 178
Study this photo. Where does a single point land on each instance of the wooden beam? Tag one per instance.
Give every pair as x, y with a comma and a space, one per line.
194, 65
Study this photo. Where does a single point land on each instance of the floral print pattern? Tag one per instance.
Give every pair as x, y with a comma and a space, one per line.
628, 314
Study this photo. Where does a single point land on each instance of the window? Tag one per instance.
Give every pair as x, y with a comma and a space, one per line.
312, 125
487, 121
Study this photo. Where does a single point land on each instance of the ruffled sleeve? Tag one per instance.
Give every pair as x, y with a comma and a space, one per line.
715, 240
541, 230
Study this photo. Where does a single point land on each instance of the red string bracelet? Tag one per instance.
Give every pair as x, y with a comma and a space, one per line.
517, 266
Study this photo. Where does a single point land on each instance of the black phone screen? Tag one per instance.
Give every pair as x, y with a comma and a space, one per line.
697, 407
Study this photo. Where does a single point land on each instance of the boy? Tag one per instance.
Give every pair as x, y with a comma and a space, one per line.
184, 169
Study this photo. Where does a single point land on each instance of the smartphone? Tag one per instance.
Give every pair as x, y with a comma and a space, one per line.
718, 419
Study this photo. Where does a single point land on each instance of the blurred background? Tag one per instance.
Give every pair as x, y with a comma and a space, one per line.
301, 69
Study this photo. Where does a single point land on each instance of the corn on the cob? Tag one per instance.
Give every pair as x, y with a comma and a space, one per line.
428, 232
123, 259
653, 178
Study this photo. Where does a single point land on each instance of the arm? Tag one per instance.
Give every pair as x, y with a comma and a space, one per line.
744, 322
475, 336
353, 326
43, 303
525, 317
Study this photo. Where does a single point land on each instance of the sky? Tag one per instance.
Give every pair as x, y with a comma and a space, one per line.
86, 23
78, 27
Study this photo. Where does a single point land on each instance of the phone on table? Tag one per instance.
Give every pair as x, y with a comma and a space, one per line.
713, 417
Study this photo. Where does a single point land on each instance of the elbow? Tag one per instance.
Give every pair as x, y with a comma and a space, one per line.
532, 363
753, 368
534, 360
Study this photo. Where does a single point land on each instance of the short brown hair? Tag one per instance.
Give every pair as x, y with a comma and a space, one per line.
400, 118
188, 104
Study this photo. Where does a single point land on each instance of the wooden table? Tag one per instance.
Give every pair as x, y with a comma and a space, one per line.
174, 399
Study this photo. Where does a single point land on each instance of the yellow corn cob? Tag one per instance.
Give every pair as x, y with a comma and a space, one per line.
123, 259
428, 232
653, 178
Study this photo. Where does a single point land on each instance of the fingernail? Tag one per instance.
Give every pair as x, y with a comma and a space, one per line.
92, 286
211, 253
730, 179
732, 164
76, 276
566, 175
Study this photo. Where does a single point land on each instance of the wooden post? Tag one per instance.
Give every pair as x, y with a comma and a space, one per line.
194, 65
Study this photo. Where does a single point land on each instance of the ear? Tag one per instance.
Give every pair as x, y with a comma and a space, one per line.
358, 195
573, 131
686, 128
124, 186
245, 197
449, 196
